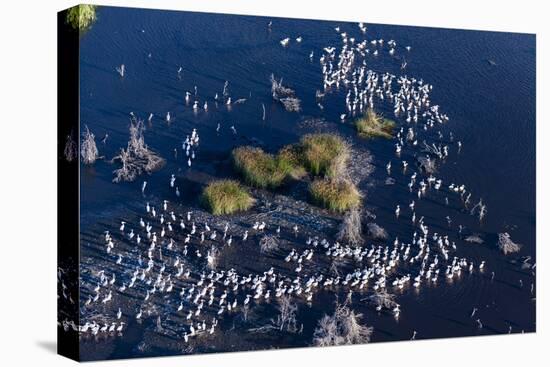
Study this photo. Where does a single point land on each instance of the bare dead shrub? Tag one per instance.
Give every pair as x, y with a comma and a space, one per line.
433, 149
350, 228
88, 150
286, 320
137, 158
383, 299
268, 243
506, 245
71, 150
377, 232
342, 328
427, 164
286, 96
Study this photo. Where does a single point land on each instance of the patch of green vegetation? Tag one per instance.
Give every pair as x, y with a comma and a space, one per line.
372, 125
335, 195
226, 197
261, 169
291, 156
324, 154
81, 16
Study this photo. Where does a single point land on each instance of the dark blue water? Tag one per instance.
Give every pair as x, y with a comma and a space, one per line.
491, 106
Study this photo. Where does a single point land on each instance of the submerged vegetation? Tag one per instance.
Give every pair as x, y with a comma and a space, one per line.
342, 328
226, 197
88, 149
137, 158
81, 16
336, 195
373, 125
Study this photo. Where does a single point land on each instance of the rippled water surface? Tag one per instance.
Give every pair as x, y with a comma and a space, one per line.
484, 81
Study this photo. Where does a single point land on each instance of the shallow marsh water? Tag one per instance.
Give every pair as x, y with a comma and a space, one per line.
484, 81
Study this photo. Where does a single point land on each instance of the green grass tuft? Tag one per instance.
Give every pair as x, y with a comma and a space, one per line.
81, 16
335, 195
291, 156
259, 168
226, 197
372, 125
324, 154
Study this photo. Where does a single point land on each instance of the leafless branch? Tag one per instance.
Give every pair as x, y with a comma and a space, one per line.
137, 158
506, 245
268, 243
71, 150
286, 320
343, 327
88, 150
377, 232
285, 95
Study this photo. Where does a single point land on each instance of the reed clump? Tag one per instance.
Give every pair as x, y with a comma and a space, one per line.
335, 195
373, 125
318, 154
226, 197
260, 169
324, 154
291, 156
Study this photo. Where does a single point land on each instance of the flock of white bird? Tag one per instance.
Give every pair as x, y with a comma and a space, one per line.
167, 258
347, 69
167, 243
